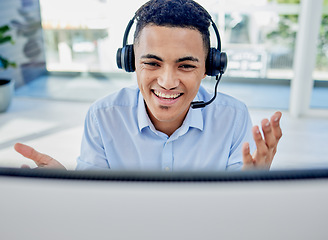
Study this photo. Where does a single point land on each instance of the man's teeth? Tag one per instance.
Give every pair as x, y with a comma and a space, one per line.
163, 95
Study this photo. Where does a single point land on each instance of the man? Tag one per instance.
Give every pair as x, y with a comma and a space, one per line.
152, 127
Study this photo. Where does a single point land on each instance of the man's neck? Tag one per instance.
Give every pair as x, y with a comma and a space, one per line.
167, 127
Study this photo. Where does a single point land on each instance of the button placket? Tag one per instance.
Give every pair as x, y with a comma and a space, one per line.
167, 157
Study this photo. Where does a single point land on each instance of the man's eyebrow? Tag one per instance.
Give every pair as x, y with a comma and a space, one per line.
152, 56
188, 58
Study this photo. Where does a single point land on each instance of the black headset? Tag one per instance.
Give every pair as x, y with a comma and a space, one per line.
216, 62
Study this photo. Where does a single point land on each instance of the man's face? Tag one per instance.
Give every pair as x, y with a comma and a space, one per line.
170, 64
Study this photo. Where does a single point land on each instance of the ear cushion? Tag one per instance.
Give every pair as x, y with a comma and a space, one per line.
209, 62
129, 59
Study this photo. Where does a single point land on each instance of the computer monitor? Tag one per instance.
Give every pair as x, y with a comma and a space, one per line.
53, 204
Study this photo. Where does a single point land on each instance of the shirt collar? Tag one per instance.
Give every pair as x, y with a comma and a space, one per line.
193, 119
143, 119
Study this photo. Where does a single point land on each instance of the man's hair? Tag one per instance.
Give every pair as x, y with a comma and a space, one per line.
174, 13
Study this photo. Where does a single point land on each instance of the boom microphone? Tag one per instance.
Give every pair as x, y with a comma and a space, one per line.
201, 104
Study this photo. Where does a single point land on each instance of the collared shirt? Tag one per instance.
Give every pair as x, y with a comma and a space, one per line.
119, 135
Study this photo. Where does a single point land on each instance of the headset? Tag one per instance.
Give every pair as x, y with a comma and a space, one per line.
216, 62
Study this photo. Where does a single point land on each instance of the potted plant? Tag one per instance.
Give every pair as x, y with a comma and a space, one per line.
6, 85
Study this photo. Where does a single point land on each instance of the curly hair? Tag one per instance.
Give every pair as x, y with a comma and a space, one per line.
174, 13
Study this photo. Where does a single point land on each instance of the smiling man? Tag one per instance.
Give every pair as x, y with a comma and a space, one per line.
152, 127
169, 70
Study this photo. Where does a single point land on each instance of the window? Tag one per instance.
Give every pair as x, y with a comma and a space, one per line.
76, 34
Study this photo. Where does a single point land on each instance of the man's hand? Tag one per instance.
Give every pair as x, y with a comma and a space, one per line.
265, 148
41, 160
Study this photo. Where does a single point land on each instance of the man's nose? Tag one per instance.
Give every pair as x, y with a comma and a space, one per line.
168, 79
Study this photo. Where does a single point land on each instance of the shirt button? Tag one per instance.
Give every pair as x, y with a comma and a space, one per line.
167, 169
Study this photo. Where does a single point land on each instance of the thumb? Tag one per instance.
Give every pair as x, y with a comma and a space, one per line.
41, 160
30, 153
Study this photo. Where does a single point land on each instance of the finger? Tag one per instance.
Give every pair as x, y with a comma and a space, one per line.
270, 139
275, 123
39, 158
247, 157
26, 151
261, 152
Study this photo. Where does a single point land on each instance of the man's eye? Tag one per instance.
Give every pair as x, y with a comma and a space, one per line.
152, 64
187, 66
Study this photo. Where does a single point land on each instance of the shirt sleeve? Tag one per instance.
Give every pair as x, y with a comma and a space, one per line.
92, 154
242, 133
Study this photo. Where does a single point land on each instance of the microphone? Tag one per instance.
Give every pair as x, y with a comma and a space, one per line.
201, 104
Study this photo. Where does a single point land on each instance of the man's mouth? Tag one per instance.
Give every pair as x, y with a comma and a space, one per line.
167, 96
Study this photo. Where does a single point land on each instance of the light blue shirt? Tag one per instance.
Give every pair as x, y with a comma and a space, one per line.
119, 135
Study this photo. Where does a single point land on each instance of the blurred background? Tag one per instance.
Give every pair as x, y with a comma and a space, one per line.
259, 36
64, 58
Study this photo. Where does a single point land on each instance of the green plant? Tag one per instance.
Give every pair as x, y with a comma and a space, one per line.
285, 33
4, 38
322, 56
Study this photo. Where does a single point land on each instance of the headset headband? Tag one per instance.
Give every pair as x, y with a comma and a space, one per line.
128, 28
